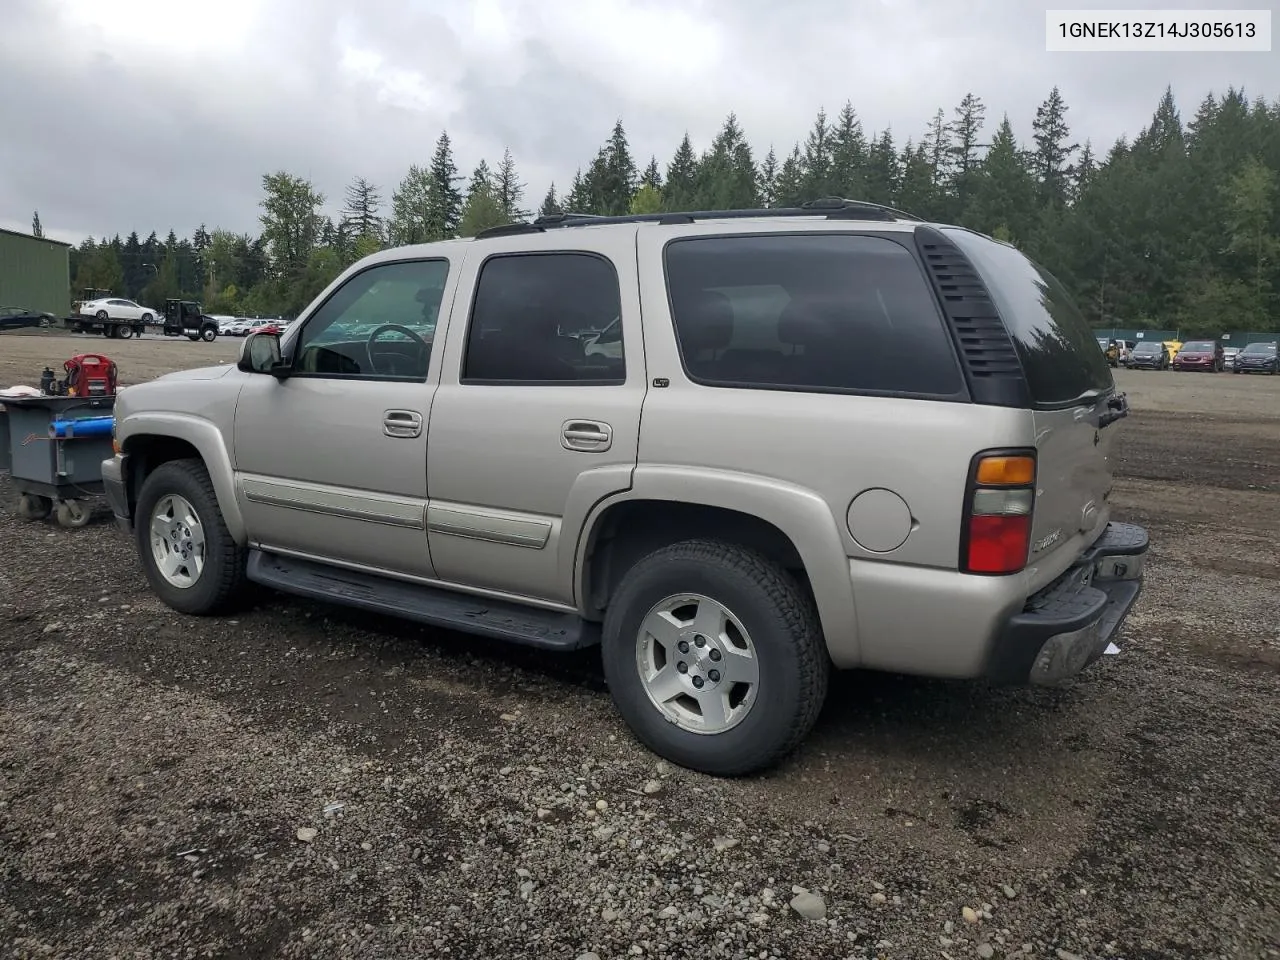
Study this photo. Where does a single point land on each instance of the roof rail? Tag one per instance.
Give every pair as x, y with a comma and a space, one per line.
831, 208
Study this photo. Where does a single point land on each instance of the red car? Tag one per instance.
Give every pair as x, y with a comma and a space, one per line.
1200, 355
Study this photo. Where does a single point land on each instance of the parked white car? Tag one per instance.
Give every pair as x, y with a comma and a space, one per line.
116, 308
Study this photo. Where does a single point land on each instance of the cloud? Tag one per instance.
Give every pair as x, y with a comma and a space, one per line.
124, 115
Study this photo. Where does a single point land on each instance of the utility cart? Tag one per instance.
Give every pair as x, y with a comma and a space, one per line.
53, 448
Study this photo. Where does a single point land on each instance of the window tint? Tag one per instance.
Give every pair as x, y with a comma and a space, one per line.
379, 324
536, 317
809, 312
1052, 338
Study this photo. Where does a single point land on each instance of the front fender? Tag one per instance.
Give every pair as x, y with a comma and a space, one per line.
802, 515
205, 436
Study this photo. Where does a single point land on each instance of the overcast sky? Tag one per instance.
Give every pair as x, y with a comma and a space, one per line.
119, 115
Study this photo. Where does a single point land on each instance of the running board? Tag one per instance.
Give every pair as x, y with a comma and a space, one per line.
499, 619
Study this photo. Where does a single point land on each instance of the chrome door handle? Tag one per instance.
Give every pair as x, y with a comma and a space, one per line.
589, 435
402, 423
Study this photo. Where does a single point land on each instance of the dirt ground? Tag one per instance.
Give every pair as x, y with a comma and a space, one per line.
155, 769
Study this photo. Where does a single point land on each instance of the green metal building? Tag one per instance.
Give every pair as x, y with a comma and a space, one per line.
35, 273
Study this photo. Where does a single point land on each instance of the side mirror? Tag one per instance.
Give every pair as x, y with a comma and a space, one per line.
261, 354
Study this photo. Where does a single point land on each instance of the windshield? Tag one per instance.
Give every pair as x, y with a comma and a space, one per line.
1255, 349
1148, 348
1199, 346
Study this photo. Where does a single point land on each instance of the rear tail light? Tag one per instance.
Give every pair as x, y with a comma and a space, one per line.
1000, 501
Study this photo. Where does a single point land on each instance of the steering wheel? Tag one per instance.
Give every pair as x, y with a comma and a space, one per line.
384, 328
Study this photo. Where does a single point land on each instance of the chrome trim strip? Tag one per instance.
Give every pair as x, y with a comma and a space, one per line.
423, 581
475, 523
381, 508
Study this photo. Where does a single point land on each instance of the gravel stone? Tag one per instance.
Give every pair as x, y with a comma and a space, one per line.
809, 905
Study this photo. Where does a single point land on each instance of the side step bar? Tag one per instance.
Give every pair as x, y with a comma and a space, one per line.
498, 619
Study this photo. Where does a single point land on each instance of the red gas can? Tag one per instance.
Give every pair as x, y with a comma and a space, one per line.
90, 375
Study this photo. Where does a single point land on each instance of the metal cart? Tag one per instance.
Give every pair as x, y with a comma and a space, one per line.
53, 448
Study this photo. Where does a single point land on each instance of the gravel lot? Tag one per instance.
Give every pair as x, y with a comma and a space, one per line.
170, 787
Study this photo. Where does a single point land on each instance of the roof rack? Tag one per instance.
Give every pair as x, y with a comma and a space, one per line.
831, 208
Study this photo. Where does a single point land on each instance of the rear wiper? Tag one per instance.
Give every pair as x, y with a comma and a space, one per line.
1117, 409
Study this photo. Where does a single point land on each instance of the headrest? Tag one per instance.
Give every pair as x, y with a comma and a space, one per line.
806, 321
707, 322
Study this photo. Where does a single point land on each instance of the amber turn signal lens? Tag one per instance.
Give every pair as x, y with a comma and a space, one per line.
1006, 471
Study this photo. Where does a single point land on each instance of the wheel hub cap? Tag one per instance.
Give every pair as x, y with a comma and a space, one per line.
177, 541
697, 664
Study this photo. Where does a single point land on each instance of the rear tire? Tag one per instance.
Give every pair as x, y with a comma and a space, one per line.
768, 629
34, 507
178, 498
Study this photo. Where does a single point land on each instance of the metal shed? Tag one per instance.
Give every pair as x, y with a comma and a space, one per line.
35, 273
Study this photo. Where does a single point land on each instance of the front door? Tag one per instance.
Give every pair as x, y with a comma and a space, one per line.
331, 461
530, 430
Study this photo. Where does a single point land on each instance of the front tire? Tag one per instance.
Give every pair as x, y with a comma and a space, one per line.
191, 560
755, 666
208, 334
124, 332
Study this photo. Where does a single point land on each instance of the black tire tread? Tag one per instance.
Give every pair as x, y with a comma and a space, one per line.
231, 578
795, 607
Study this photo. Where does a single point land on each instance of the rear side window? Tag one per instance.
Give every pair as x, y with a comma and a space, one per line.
811, 312
1058, 350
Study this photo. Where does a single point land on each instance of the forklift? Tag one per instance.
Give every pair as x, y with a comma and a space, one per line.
186, 318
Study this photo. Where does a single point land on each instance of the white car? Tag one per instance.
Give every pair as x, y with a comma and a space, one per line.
116, 308
247, 327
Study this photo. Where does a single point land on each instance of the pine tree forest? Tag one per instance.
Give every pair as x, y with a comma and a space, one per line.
1176, 226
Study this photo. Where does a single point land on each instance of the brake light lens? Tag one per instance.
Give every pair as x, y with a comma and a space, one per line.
998, 514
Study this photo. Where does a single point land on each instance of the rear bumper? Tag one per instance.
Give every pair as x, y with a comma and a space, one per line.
1066, 626
114, 472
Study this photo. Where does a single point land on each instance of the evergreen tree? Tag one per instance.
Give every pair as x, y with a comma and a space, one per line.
614, 178
411, 207
1052, 151
815, 174
483, 206
726, 177
651, 177
1003, 196
550, 205
966, 132
768, 180
882, 171
444, 204
37, 230
509, 190
790, 183
361, 223
848, 155
682, 178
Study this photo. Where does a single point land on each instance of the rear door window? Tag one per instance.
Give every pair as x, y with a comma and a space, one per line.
1058, 350
810, 312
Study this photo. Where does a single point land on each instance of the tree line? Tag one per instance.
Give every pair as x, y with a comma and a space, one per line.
1177, 226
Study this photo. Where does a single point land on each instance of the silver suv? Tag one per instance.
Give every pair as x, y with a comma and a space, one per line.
734, 449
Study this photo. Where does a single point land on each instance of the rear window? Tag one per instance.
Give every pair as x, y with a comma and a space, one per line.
812, 312
1054, 342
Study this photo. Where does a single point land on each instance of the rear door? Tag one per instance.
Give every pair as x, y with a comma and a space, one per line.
529, 430
1070, 384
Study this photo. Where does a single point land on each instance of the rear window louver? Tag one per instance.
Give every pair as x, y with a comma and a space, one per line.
987, 354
